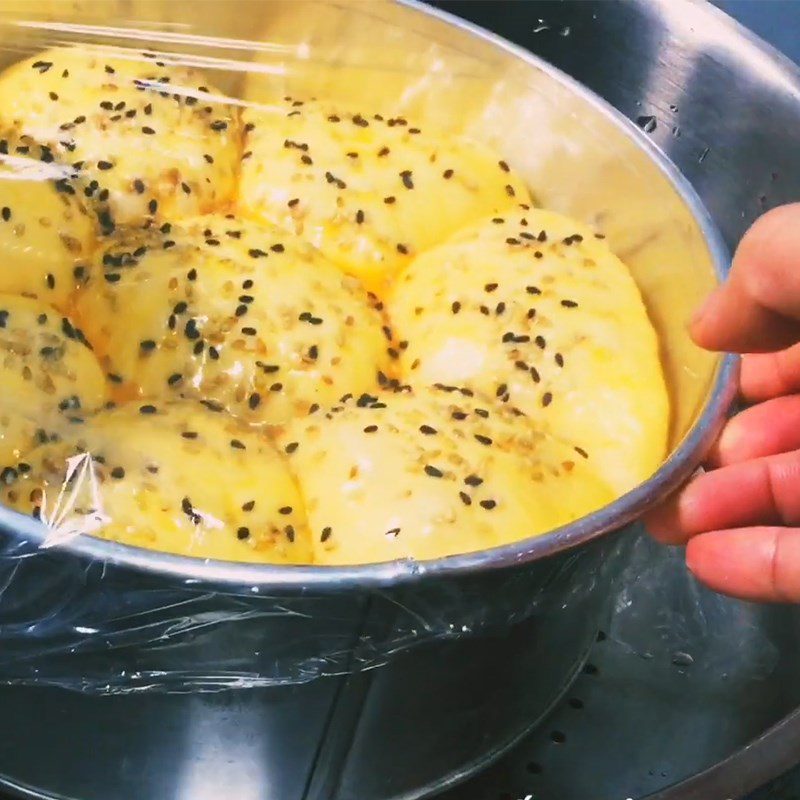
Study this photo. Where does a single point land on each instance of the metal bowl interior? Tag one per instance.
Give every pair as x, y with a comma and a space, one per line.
578, 154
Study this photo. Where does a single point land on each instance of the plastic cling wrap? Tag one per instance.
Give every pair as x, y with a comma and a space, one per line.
94, 628
237, 449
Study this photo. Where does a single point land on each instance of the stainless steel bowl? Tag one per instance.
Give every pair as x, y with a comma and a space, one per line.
474, 647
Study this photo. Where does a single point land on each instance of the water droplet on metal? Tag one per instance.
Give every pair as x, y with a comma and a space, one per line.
676, 132
565, 31
703, 155
542, 26
673, 108
647, 122
681, 659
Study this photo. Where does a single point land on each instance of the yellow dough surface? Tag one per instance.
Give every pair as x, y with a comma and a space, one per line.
535, 311
47, 234
421, 476
47, 374
370, 191
177, 478
244, 315
141, 133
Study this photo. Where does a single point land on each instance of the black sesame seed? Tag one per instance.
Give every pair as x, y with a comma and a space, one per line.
465, 498
407, 177
237, 445
359, 216
148, 131
581, 452
189, 434
427, 430
488, 504
249, 505
242, 533
147, 409
147, 345
547, 398
389, 200
504, 166
325, 535
254, 400
434, 472
569, 304
484, 440
6, 213
447, 174
291, 447
104, 165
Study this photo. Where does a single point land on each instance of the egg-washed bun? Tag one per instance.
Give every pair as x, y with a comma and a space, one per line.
428, 475
47, 374
47, 234
176, 478
370, 192
240, 314
533, 309
141, 133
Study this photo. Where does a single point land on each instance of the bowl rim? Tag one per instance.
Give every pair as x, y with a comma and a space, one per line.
257, 578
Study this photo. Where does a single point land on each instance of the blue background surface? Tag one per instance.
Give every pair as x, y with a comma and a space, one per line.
777, 21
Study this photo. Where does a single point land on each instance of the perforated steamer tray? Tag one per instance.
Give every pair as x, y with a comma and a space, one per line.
679, 680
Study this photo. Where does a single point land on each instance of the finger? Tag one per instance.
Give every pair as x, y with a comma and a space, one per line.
757, 309
765, 375
765, 491
750, 563
770, 428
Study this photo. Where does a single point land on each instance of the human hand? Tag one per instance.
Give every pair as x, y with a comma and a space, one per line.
740, 520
